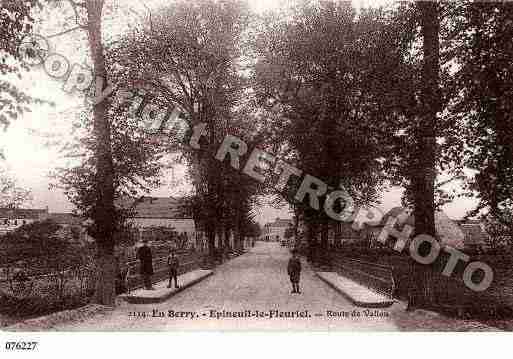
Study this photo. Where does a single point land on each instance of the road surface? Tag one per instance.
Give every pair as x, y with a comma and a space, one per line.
256, 284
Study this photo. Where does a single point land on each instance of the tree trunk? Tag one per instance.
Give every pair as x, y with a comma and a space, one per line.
212, 190
227, 239
296, 226
338, 235
423, 179
104, 211
240, 241
105, 278
323, 253
312, 240
211, 237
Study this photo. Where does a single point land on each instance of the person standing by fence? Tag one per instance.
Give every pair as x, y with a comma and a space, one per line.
146, 258
173, 264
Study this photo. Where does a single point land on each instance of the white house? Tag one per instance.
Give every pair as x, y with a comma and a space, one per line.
448, 231
275, 231
12, 218
167, 212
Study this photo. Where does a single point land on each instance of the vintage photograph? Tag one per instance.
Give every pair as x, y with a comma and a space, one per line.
244, 165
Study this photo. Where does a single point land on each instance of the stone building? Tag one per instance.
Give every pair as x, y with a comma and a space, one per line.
275, 231
154, 214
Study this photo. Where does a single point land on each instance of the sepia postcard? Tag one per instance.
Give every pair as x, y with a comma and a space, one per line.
244, 165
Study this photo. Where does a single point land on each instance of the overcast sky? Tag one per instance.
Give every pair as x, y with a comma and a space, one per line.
30, 156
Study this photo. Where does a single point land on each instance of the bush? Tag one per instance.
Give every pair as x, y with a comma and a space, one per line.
37, 306
39, 248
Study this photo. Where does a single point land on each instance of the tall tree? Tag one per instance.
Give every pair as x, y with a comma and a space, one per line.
423, 179
104, 209
187, 56
423, 174
479, 44
102, 173
88, 16
327, 77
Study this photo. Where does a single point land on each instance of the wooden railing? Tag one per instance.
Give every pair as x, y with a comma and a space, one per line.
133, 279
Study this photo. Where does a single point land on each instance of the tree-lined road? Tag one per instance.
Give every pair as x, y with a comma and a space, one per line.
255, 281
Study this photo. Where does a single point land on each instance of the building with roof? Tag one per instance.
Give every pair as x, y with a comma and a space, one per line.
150, 213
162, 212
275, 231
447, 230
466, 235
12, 218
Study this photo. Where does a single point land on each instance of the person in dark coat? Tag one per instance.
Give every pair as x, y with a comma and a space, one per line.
173, 264
144, 255
294, 271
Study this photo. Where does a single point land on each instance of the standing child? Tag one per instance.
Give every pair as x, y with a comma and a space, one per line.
294, 271
172, 262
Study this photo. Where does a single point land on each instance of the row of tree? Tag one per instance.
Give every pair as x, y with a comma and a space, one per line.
183, 55
400, 95
359, 99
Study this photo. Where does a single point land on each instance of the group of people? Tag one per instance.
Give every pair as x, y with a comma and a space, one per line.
145, 256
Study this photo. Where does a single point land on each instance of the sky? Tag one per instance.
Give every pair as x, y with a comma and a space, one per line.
31, 154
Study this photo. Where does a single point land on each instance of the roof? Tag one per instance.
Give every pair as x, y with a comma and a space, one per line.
22, 213
155, 207
446, 229
468, 221
279, 222
65, 218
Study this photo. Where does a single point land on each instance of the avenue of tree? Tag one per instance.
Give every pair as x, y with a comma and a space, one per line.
361, 99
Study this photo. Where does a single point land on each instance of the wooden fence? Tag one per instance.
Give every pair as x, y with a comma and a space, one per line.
188, 262
449, 293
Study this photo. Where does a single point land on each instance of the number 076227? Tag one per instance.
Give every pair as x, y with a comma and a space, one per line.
20, 345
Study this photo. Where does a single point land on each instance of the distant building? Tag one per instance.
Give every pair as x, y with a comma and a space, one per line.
12, 218
166, 212
342, 232
468, 235
447, 230
275, 231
